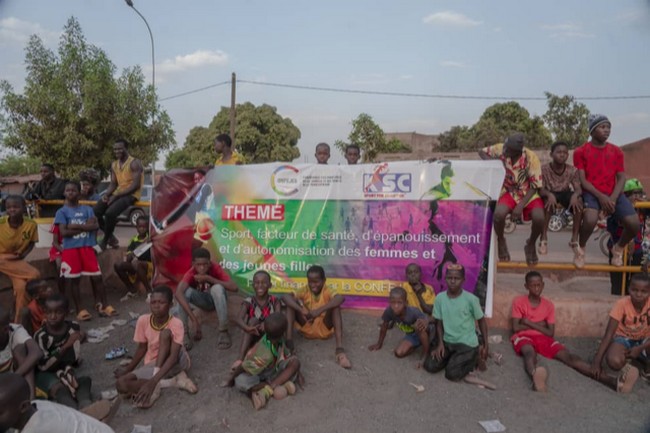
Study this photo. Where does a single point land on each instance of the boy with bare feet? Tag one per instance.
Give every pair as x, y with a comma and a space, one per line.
533, 324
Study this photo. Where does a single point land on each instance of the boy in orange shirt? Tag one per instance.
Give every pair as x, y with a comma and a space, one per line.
317, 312
627, 336
32, 317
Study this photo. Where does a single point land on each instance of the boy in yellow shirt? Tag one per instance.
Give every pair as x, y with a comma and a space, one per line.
418, 294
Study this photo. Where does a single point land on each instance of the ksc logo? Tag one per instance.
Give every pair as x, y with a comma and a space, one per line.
386, 183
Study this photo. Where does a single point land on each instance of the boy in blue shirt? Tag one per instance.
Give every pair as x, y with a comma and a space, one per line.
78, 226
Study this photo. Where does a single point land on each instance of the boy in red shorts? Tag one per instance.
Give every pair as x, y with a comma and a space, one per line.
78, 226
533, 325
519, 193
602, 176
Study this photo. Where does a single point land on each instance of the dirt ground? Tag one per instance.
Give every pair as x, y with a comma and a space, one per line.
375, 395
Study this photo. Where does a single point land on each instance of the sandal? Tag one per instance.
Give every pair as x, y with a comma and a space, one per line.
578, 256
224, 342
84, 316
626, 379
504, 254
531, 254
617, 256
342, 359
109, 311
543, 248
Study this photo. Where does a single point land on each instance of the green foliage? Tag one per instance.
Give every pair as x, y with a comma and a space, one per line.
261, 135
17, 165
494, 125
73, 108
371, 139
567, 119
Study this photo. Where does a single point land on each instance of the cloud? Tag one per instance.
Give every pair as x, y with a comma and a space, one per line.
16, 31
452, 64
566, 30
194, 60
450, 18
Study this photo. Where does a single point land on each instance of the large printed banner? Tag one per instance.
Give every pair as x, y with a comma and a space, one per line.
364, 224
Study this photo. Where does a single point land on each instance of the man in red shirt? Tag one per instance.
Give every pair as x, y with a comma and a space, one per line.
602, 176
204, 286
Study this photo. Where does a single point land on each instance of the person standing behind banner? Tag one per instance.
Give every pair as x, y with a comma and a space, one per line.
227, 155
127, 177
49, 187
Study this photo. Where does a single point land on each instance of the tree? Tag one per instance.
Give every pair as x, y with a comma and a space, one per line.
73, 108
17, 165
262, 135
371, 139
495, 124
567, 119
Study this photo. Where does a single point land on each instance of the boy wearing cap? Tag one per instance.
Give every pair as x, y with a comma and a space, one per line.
602, 176
519, 193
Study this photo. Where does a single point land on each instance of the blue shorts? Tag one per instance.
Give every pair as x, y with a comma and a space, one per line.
413, 338
629, 344
623, 207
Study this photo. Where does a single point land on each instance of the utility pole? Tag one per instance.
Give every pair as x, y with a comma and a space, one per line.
233, 114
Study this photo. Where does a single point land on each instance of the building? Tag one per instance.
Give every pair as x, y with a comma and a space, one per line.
637, 161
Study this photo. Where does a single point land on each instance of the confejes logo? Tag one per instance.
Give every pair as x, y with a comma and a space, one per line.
285, 180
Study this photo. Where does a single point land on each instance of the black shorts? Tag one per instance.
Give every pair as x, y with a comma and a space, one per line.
563, 197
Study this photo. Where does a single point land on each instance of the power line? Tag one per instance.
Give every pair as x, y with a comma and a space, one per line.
406, 94
194, 91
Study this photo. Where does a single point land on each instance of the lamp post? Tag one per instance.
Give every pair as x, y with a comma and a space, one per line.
153, 56
153, 73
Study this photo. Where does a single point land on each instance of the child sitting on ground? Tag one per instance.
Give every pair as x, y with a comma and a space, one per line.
561, 185
405, 317
317, 312
32, 317
204, 286
25, 415
601, 170
268, 369
418, 294
137, 266
18, 235
627, 336
253, 311
533, 325
60, 341
18, 351
160, 342
456, 345
78, 227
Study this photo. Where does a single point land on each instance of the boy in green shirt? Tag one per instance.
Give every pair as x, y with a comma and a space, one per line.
456, 313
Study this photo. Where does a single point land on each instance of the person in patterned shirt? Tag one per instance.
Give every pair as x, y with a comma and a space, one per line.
602, 176
519, 193
252, 313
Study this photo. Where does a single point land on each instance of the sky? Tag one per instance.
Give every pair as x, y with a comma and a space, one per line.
502, 48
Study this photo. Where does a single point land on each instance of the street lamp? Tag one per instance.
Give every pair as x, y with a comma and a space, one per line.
153, 75
153, 58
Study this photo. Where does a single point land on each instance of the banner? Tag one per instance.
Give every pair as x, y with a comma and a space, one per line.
363, 223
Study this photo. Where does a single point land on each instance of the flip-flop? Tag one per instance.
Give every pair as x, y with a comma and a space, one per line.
543, 248
109, 311
539, 379
531, 254
617, 256
504, 254
224, 342
626, 379
84, 316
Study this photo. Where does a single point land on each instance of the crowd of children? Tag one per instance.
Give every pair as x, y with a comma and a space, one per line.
39, 358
